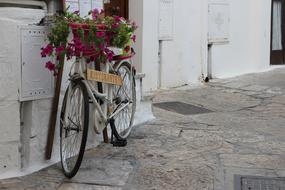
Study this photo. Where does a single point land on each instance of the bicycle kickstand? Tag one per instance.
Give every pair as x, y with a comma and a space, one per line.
116, 141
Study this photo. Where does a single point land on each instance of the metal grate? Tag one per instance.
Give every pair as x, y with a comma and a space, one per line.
181, 108
259, 183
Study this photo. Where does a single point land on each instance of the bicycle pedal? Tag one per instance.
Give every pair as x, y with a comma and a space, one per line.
120, 143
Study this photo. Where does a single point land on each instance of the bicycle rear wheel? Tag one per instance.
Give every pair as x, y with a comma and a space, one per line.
74, 121
124, 97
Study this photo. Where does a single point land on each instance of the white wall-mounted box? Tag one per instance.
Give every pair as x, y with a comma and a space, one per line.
36, 82
165, 29
218, 22
84, 6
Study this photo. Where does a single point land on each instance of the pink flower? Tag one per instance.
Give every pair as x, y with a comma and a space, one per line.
115, 25
101, 47
100, 34
78, 44
49, 47
85, 26
59, 50
101, 27
74, 49
134, 26
50, 66
134, 38
93, 58
108, 39
127, 49
95, 13
110, 54
70, 50
47, 50
117, 18
43, 54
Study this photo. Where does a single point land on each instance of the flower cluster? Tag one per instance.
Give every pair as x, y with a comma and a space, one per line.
92, 38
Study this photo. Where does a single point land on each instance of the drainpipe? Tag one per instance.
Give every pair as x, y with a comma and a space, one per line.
204, 40
209, 63
159, 82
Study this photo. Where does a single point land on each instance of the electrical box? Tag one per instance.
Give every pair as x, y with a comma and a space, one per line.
218, 18
165, 20
37, 82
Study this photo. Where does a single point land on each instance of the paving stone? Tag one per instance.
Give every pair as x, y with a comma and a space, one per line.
279, 99
179, 177
77, 186
253, 161
103, 171
254, 87
243, 136
28, 185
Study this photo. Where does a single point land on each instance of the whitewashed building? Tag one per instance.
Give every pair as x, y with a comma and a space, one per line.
178, 42
206, 38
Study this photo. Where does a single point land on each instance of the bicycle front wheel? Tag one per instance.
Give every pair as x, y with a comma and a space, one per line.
125, 101
74, 120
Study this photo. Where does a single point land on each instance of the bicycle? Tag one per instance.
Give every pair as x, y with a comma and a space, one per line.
115, 106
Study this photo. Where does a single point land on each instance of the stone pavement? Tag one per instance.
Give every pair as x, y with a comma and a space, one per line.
244, 135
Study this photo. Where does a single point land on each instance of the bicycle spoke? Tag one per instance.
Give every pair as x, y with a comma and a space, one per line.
77, 126
73, 125
126, 94
121, 86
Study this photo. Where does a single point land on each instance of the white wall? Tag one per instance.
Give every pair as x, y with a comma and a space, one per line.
248, 49
11, 140
150, 44
136, 14
184, 57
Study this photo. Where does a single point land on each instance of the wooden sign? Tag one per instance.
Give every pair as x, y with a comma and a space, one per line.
104, 77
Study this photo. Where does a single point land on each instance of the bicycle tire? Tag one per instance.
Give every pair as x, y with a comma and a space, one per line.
71, 161
120, 93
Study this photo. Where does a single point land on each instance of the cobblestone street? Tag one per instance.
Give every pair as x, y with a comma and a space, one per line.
243, 135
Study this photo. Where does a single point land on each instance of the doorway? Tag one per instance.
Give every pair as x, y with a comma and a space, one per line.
277, 56
117, 7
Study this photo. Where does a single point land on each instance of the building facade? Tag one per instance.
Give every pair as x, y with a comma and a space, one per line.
210, 38
178, 42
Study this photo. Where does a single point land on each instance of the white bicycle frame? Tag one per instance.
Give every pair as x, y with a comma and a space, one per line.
78, 71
